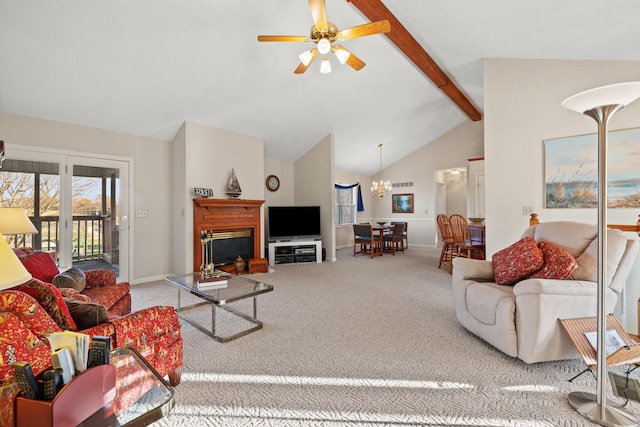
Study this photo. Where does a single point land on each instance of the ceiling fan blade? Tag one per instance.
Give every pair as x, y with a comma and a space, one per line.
302, 68
355, 62
282, 39
319, 13
364, 30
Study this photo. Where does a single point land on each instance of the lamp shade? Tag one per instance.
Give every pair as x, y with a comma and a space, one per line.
12, 272
15, 221
616, 94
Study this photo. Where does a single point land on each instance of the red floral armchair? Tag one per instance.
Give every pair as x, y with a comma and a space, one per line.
33, 310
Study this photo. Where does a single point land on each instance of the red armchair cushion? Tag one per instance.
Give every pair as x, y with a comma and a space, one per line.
29, 311
50, 298
18, 343
96, 278
517, 261
41, 266
107, 296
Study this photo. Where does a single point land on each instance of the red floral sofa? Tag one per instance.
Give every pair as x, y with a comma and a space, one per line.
31, 311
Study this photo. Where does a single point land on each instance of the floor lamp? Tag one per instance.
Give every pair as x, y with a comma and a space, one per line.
601, 104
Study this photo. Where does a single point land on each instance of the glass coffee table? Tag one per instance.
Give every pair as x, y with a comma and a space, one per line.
142, 395
233, 288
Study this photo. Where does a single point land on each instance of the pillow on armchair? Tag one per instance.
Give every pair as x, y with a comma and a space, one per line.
50, 298
72, 278
41, 265
517, 261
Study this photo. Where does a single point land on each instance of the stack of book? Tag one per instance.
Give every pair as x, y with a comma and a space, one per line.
218, 281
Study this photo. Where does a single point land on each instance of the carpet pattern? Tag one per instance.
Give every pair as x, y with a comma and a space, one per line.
362, 342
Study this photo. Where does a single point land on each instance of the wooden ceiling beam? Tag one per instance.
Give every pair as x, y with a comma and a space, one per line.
375, 10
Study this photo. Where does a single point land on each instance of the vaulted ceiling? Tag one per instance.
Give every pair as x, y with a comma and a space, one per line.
145, 66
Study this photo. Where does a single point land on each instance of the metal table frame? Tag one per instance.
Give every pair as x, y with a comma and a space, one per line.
219, 303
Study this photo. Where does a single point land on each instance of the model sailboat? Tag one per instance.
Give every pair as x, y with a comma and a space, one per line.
233, 186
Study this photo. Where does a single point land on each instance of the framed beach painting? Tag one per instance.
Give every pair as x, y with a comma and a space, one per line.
402, 203
571, 170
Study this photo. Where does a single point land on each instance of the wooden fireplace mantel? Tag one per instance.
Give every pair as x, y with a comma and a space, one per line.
225, 215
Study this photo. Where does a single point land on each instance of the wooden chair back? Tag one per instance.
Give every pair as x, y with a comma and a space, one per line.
446, 236
460, 229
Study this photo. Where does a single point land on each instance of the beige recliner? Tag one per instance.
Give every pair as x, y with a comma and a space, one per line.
521, 320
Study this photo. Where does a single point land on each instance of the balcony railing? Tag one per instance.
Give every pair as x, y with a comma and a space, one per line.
88, 236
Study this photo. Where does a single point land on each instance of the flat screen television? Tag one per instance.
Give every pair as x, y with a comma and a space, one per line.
289, 223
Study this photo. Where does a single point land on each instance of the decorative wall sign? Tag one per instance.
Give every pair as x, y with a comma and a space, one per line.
571, 170
203, 192
402, 203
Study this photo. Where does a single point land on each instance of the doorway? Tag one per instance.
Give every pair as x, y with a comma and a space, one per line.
78, 203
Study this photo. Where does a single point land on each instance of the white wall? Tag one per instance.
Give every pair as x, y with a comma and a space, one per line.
448, 151
314, 179
522, 109
209, 155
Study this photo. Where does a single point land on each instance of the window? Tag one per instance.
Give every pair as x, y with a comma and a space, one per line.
345, 210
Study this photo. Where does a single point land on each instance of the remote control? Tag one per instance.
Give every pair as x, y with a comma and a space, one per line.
26, 380
52, 380
99, 351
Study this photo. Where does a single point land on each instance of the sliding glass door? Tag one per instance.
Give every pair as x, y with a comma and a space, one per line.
80, 205
99, 214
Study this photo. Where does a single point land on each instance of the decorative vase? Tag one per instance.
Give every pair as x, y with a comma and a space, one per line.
240, 265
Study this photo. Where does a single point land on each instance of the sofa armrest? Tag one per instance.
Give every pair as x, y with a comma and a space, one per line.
97, 278
555, 287
472, 269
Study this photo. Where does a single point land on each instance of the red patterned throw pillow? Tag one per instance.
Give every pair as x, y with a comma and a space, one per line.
41, 266
558, 263
517, 261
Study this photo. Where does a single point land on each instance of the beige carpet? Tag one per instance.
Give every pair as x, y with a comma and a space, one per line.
363, 342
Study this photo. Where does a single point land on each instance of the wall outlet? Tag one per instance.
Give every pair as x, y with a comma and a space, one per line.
142, 213
527, 210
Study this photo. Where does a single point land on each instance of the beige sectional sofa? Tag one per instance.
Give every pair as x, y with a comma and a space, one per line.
521, 320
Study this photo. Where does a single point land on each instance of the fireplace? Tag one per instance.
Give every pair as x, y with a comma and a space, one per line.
229, 226
223, 247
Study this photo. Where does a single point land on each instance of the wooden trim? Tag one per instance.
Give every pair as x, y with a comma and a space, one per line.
632, 228
475, 159
375, 10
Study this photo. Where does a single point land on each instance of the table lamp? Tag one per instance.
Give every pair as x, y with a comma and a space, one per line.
601, 104
14, 221
13, 272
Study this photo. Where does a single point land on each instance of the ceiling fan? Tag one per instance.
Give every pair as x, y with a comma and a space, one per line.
324, 34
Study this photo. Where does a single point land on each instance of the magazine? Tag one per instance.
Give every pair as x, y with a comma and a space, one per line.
613, 341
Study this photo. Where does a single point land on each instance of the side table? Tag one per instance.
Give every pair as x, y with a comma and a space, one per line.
142, 395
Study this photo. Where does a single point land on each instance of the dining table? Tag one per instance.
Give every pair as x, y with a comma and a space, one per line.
477, 231
381, 229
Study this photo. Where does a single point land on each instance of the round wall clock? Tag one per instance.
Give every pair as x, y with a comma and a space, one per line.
273, 183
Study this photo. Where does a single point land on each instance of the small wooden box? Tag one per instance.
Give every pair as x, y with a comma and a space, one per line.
258, 265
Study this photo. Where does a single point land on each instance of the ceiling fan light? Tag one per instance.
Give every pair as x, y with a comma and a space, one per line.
342, 55
306, 57
325, 67
324, 45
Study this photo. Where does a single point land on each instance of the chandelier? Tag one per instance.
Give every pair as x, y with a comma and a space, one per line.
382, 187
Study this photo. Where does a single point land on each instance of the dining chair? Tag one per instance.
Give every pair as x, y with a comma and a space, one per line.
465, 246
394, 241
446, 239
404, 235
369, 242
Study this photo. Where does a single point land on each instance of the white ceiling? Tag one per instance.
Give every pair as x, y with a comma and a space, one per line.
145, 66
